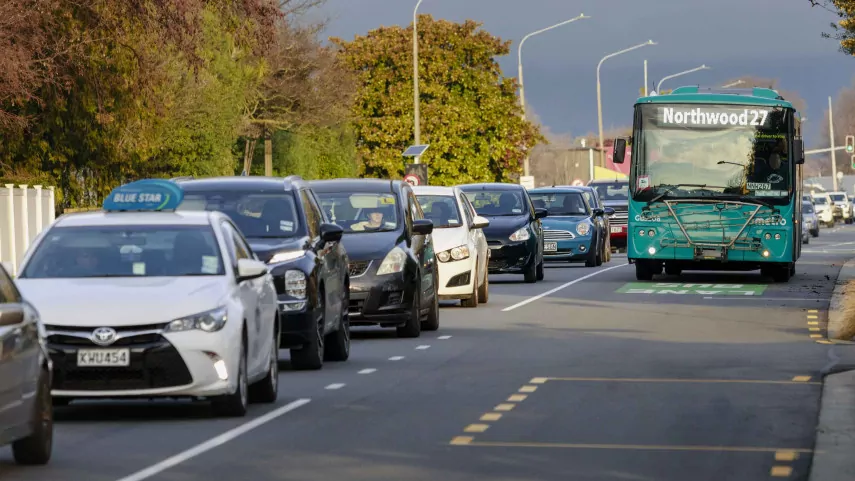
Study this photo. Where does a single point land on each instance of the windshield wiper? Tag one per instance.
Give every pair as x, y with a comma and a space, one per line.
670, 188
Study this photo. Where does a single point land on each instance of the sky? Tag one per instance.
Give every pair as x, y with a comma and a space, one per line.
765, 38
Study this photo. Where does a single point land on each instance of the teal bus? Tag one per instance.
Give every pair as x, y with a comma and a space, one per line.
715, 182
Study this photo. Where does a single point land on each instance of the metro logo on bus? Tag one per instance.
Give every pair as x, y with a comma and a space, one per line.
699, 116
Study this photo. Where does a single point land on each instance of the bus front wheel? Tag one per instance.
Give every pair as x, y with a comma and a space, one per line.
779, 273
645, 270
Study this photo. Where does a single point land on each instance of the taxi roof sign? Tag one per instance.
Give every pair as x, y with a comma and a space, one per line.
148, 195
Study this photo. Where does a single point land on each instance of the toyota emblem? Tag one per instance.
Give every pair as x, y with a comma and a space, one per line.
104, 336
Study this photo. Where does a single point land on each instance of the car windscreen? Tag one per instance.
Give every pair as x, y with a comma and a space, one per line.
820, 200
126, 251
615, 191
257, 214
807, 208
497, 203
560, 203
441, 209
361, 211
838, 197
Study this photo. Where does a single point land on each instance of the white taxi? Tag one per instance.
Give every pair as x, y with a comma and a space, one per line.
459, 244
140, 301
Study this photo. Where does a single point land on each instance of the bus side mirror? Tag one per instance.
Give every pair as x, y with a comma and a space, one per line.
799, 151
620, 150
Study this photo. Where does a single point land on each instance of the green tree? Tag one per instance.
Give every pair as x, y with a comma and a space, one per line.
469, 111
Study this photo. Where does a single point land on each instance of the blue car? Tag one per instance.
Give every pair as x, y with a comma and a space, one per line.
571, 231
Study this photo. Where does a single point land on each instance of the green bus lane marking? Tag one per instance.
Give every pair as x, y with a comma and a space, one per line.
679, 288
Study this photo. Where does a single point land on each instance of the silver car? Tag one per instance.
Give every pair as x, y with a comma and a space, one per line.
809, 219
26, 419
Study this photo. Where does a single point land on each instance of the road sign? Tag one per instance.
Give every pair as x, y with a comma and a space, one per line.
578, 183
527, 181
415, 150
416, 174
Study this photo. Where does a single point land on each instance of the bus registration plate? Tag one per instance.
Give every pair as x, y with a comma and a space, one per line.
712, 253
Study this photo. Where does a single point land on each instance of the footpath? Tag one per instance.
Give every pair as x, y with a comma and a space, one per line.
834, 456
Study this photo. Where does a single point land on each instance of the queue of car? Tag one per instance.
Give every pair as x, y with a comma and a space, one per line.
188, 288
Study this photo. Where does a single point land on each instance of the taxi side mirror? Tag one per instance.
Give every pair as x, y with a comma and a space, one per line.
248, 269
422, 226
479, 222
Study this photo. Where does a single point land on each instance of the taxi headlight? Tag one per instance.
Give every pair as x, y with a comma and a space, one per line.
455, 253
209, 321
394, 262
520, 235
295, 284
286, 256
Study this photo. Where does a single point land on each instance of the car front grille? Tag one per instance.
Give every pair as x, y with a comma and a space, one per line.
554, 235
357, 268
618, 218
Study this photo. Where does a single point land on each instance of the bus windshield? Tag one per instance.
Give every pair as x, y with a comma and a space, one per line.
712, 150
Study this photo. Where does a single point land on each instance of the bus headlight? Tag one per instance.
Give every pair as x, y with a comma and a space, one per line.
651, 232
777, 236
651, 250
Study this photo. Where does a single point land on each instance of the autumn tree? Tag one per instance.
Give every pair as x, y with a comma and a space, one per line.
844, 30
844, 124
469, 111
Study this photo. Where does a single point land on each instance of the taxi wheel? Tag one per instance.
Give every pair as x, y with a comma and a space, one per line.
484, 290
236, 403
413, 327
37, 447
473, 300
267, 389
311, 355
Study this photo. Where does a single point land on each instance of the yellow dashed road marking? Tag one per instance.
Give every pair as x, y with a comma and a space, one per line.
825, 342
813, 323
517, 397
813, 329
539, 380
801, 378
815, 336
812, 317
477, 428
812, 310
781, 471
715, 381
504, 407
459, 440
491, 417
639, 447
786, 455
528, 389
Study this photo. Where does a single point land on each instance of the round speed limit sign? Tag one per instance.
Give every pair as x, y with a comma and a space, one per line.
411, 179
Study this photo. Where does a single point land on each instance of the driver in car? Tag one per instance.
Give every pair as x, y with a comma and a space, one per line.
375, 220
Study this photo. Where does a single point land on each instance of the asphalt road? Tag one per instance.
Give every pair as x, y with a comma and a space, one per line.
599, 379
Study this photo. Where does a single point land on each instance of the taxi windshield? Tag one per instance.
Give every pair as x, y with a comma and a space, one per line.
126, 251
362, 211
257, 214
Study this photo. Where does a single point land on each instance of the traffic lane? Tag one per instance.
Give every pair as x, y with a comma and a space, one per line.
403, 432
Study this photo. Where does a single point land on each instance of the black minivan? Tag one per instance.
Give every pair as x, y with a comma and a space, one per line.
393, 269
515, 233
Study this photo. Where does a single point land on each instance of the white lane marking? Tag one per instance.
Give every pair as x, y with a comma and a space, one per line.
444, 337
367, 371
337, 385
396, 358
840, 244
214, 442
422, 347
758, 298
562, 286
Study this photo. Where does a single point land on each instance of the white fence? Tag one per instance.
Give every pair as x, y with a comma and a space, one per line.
24, 212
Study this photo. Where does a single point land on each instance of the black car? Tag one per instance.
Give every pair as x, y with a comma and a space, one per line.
26, 375
286, 228
393, 269
614, 194
515, 233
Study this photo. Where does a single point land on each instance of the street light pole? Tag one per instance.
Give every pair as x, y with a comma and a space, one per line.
733, 84
599, 93
520, 71
685, 72
416, 119
645, 79
831, 142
